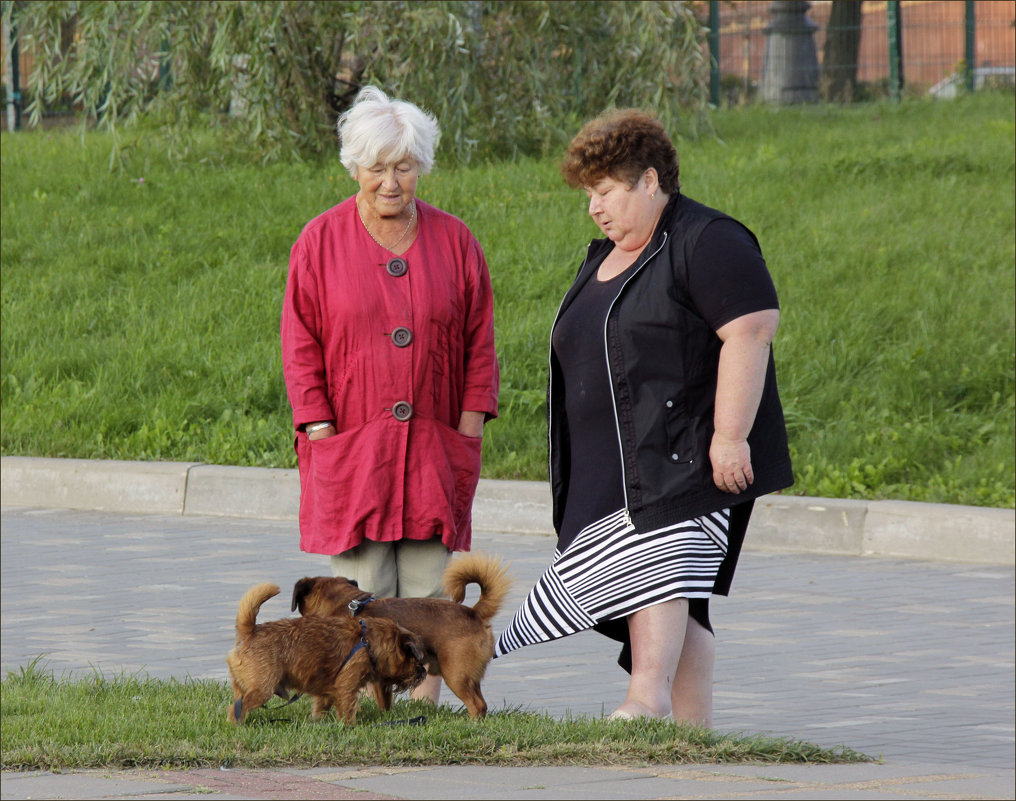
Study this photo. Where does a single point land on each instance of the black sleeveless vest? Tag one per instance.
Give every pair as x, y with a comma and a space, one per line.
663, 360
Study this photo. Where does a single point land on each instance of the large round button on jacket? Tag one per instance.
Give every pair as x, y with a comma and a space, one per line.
401, 337
397, 267
402, 411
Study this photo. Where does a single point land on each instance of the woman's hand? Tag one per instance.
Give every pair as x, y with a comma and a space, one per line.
731, 460
320, 431
471, 424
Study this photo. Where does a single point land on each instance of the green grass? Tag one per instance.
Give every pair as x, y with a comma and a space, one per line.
131, 721
140, 318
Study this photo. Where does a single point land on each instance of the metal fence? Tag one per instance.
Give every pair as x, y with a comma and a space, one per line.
898, 47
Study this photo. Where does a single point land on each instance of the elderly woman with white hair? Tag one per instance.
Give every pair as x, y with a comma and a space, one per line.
389, 361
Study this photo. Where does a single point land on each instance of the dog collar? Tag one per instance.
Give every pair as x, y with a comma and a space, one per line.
356, 606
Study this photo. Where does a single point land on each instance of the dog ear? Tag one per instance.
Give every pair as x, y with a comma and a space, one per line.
353, 582
301, 590
411, 645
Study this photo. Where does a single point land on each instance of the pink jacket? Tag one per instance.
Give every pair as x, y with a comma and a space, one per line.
393, 359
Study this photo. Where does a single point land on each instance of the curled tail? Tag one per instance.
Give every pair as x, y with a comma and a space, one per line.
477, 568
247, 613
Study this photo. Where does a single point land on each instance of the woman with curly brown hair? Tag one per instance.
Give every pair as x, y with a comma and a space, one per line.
664, 419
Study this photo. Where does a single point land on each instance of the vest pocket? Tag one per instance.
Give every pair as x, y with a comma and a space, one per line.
680, 433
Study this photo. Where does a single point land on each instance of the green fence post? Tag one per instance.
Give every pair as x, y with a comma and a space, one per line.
970, 46
165, 74
714, 52
12, 70
895, 29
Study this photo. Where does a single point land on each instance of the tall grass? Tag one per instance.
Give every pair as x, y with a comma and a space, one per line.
141, 308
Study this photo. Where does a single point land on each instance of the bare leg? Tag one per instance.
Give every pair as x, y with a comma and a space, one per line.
657, 636
692, 692
427, 690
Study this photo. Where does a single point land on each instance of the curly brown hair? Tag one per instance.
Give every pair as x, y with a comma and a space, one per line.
622, 145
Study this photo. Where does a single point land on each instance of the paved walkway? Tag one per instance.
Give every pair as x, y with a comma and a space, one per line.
909, 661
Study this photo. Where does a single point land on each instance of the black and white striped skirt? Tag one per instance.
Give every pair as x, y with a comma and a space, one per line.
610, 571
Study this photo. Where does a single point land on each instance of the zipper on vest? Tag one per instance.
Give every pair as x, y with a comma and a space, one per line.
610, 373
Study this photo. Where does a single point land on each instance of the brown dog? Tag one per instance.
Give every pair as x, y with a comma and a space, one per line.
457, 638
329, 659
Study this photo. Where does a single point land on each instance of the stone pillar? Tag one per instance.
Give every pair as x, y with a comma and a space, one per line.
790, 69
241, 82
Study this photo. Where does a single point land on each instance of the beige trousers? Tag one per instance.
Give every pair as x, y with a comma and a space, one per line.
402, 569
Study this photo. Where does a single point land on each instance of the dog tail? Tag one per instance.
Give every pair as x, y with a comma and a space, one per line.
247, 613
477, 568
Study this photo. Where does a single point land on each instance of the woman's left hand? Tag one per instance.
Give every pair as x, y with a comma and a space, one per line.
731, 461
471, 424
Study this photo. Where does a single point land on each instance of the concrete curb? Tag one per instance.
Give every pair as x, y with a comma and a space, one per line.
780, 522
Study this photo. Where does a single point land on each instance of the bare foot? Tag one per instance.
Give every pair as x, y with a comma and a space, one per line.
630, 710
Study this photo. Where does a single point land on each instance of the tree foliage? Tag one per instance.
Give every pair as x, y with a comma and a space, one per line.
503, 78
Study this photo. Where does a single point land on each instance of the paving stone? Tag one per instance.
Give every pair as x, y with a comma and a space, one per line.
909, 660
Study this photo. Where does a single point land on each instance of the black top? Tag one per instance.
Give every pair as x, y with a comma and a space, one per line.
595, 489
727, 276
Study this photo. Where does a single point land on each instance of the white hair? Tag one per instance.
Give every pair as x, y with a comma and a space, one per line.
378, 130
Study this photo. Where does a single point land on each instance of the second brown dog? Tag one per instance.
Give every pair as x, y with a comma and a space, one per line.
457, 638
329, 659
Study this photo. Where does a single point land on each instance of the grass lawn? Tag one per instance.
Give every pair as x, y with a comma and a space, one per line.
141, 308
129, 721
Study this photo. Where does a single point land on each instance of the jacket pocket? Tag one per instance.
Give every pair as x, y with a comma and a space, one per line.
681, 446
350, 487
466, 468
462, 469
441, 479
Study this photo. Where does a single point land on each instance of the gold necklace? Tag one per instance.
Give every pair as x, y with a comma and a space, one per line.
412, 219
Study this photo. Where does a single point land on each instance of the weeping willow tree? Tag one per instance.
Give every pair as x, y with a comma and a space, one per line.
503, 78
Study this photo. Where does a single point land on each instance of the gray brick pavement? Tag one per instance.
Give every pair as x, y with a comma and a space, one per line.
907, 660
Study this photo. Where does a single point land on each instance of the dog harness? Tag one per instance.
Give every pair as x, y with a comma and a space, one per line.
361, 644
